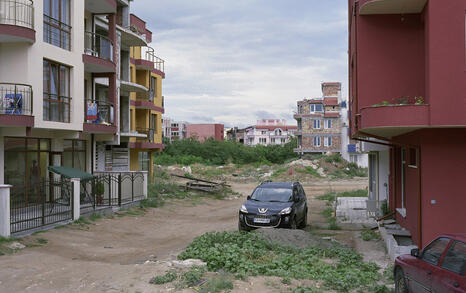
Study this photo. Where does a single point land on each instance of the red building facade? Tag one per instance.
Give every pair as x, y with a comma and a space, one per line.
407, 64
205, 131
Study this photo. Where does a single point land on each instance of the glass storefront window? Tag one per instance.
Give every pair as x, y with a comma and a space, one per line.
74, 154
143, 161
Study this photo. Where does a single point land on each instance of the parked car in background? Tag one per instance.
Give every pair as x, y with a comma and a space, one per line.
274, 205
439, 267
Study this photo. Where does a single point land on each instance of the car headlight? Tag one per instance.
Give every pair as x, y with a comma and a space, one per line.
243, 209
285, 211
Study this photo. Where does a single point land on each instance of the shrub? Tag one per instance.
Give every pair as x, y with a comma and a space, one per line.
217, 284
369, 234
213, 152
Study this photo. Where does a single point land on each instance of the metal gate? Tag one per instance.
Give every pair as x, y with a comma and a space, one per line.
46, 202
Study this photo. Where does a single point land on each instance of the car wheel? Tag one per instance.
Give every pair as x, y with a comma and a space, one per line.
242, 228
304, 222
293, 224
400, 282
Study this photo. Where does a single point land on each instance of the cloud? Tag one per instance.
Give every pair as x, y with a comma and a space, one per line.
233, 61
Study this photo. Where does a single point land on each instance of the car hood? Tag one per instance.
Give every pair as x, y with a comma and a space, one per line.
272, 207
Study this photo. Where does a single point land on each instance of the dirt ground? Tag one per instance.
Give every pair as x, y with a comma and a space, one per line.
122, 254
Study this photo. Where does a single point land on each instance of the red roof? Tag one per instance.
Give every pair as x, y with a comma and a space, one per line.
332, 115
331, 101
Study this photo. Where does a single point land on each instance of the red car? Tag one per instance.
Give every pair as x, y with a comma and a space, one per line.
439, 267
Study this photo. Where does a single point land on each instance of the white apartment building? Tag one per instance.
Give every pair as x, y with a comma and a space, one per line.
174, 129
269, 132
67, 93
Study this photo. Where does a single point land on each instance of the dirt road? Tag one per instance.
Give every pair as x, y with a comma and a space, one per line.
117, 255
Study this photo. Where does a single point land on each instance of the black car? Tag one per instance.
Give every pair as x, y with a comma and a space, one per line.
274, 205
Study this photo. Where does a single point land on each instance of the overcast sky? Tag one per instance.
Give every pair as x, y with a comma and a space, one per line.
237, 61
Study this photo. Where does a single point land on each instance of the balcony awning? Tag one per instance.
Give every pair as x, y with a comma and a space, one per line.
70, 173
392, 7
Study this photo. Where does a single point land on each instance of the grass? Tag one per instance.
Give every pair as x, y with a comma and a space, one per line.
279, 171
309, 170
94, 217
369, 234
221, 283
210, 173
245, 254
168, 277
6, 239
327, 213
332, 224
82, 221
192, 277
306, 290
42, 241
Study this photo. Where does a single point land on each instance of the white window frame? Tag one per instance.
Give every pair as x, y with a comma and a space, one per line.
317, 139
328, 123
314, 124
272, 140
312, 108
327, 141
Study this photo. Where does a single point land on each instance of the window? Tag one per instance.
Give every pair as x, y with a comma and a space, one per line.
283, 140
413, 158
278, 132
433, 252
263, 140
328, 141
56, 95
153, 88
263, 132
74, 154
315, 108
353, 158
272, 140
143, 161
251, 140
455, 259
317, 141
328, 123
57, 29
316, 123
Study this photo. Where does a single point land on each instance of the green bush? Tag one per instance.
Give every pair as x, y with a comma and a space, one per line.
221, 283
369, 234
245, 254
213, 152
167, 278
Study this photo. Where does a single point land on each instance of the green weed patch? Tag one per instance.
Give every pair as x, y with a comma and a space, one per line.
245, 254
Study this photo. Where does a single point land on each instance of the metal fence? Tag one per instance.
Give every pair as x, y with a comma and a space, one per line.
112, 189
17, 12
46, 202
98, 46
15, 99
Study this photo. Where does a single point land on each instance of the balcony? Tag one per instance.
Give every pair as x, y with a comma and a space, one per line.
148, 132
99, 117
393, 120
371, 7
98, 53
17, 21
101, 6
16, 105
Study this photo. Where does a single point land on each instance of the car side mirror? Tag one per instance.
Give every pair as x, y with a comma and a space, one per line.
415, 252
249, 197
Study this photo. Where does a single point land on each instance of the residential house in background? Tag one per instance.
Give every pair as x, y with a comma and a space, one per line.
235, 134
319, 122
205, 131
269, 132
67, 94
351, 150
407, 99
174, 130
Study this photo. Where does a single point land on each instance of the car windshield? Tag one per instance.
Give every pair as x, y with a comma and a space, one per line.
272, 194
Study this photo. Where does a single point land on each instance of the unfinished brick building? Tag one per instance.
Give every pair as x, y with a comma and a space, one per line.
319, 121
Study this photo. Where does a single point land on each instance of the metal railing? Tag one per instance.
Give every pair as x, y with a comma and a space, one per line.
43, 203
15, 99
98, 112
57, 33
98, 46
147, 131
113, 188
17, 12
159, 63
